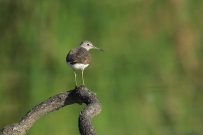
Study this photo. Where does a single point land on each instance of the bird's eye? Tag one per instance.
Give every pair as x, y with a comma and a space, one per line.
88, 44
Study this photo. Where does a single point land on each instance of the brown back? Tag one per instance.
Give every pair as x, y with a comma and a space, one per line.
78, 55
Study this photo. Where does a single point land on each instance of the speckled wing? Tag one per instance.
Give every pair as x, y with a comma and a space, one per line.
78, 55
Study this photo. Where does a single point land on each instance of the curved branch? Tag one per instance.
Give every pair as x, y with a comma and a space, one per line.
92, 109
78, 95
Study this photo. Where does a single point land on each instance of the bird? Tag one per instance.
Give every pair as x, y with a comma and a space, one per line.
79, 58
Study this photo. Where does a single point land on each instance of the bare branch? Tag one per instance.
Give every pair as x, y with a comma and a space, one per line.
78, 95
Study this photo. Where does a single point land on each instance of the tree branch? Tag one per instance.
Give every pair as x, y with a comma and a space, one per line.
78, 95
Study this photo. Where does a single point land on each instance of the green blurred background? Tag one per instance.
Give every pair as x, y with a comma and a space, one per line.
149, 79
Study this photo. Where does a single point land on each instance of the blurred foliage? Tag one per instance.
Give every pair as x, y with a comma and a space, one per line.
149, 79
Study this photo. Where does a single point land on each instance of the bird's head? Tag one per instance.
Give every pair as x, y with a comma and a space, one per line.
88, 45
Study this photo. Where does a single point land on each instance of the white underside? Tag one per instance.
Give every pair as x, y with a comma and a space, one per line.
78, 66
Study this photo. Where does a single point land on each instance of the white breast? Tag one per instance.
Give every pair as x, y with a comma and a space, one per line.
78, 66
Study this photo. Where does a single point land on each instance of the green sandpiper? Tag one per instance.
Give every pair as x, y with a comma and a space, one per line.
79, 58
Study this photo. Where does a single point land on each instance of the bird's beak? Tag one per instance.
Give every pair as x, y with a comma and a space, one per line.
98, 49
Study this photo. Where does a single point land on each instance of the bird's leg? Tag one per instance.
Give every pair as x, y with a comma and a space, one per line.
83, 83
75, 78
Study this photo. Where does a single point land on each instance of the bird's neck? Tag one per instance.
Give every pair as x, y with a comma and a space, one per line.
86, 48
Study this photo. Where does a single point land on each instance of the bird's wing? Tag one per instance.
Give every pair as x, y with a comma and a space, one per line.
78, 55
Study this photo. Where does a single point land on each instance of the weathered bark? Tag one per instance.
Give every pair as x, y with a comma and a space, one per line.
78, 95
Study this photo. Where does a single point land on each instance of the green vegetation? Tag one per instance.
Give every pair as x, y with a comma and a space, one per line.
149, 79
